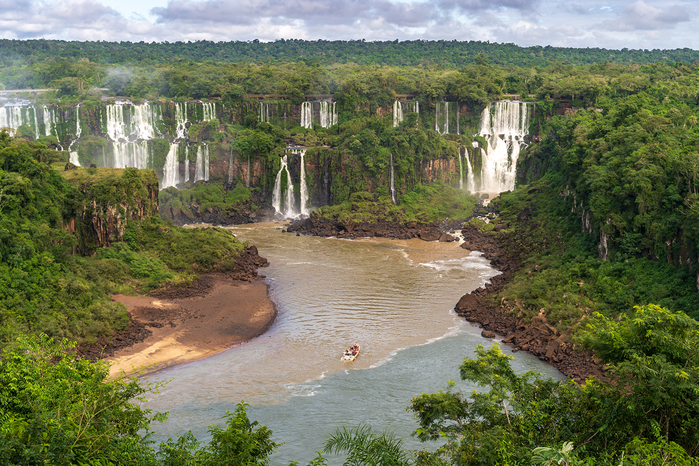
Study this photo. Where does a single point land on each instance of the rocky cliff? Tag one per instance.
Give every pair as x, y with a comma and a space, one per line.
107, 199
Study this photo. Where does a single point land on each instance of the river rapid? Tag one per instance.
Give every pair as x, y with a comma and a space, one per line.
393, 297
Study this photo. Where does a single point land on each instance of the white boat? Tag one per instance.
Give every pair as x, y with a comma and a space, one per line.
350, 353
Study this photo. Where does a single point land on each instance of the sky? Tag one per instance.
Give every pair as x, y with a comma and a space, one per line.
614, 24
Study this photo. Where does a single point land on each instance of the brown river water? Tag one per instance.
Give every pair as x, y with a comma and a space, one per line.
393, 297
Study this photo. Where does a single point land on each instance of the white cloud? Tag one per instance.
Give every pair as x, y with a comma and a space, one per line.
592, 23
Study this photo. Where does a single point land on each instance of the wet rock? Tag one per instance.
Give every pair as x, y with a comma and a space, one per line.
487, 334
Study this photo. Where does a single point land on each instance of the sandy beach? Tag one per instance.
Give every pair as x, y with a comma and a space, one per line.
227, 313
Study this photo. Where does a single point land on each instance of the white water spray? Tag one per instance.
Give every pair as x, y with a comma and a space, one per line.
307, 115
201, 171
277, 192
171, 169
504, 125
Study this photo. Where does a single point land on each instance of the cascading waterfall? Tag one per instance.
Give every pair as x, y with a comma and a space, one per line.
36, 123
471, 179
397, 113
130, 154
441, 119
186, 166
393, 187
181, 120
171, 169
209, 110
116, 124
307, 115
11, 117
130, 127
328, 114
78, 131
504, 125
143, 121
49, 122
277, 192
446, 117
264, 112
303, 189
400, 109
201, 171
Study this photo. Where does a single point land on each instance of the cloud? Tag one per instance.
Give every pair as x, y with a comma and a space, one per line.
640, 16
593, 23
242, 12
85, 19
470, 6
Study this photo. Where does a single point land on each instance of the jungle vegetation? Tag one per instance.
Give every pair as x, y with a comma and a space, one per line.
604, 222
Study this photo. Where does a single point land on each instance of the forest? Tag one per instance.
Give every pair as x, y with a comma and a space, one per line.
603, 221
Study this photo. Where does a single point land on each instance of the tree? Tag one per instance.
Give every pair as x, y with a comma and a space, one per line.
364, 448
60, 409
653, 354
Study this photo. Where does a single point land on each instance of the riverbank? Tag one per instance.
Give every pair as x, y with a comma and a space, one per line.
180, 324
537, 337
184, 329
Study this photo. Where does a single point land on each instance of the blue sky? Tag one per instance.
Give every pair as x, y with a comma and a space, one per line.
644, 24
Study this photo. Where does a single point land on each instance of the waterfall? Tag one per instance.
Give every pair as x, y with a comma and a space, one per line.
201, 171
400, 109
49, 122
78, 131
328, 114
264, 113
116, 125
303, 189
171, 169
36, 123
443, 117
461, 171
277, 193
181, 120
397, 113
504, 125
142, 121
130, 154
186, 165
11, 118
393, 187
209, 110
471, 180
307, 115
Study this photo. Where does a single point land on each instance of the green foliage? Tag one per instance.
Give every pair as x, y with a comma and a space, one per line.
425, 204
184, 249
240, 443
653, 355
364, 448
207, 196
45, 287
561, 272
646, 414
56, 408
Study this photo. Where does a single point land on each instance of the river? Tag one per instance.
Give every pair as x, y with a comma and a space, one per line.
393, 297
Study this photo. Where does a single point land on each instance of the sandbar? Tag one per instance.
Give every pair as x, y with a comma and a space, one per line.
186, 329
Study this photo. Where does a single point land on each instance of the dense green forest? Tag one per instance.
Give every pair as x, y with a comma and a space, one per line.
603, 222
393, 53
